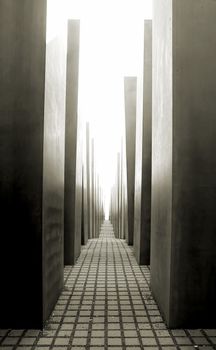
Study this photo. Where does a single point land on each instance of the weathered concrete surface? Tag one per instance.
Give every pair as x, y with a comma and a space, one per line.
183, 255
130, 123
142, 201
32, 104
73, 151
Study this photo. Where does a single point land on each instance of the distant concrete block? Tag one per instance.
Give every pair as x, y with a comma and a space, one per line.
89, 182
73, 151
142, 203
84, 229
130, 122
92, 169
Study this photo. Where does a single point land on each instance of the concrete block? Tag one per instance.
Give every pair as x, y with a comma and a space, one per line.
73, 151
92, 169
142, 202
32, 120
130, 84
89, 182
84, 227
183, 255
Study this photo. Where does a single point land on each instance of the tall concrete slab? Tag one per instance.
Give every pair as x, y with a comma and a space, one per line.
53, 155
89, 182
32, 119
92, 169
142, 202
130, 84
183, 254
84, 227
122, 194
73, 151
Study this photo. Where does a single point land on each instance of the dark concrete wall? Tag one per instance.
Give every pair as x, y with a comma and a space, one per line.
130, 122
27, 218
73, 151
183, 261
142, 202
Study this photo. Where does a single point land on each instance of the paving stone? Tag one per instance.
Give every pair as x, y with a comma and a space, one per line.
132, 341
106, 301
27, 341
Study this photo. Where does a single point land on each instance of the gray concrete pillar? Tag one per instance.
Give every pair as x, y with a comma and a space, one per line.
73, 151
118, 213
84, 227
142, 202
89, 182
130, 122
121, 193
32, 119
85, 184
93, 187
183, 254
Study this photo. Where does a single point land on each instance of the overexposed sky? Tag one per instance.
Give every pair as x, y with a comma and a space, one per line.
110, 36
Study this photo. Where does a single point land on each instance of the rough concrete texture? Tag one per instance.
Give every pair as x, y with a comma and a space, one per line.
130, 84
73, 151
31, 208
183, 255
142, 201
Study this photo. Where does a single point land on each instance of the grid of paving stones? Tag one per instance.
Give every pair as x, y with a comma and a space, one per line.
107, 304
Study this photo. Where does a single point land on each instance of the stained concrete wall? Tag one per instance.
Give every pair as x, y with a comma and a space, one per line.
130, 123
183, 263
31, 207
73, 151
142, 201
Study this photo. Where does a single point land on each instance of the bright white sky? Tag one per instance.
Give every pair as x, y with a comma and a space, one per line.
111, 31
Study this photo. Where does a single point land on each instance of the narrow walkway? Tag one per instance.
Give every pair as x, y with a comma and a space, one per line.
107, 304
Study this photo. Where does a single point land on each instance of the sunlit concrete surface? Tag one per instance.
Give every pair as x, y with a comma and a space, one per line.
107, 304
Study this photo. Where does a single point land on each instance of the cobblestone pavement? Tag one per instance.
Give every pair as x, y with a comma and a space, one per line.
107, 304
